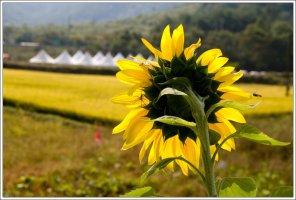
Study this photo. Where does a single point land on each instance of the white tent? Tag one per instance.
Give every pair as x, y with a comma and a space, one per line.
151, 58
129, 56
77, 56
117, 57
86, 59
139, 55
97, 59
64, 58
42, 57
107, 61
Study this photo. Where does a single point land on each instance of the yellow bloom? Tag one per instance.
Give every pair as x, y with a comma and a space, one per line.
172, 45
208, 76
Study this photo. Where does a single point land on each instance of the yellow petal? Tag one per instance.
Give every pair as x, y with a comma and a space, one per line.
232, 130
132, 77
224, 130
217, 64
230, 114
223, 72
230, 78
189, 51
178, 40
135, 113
155, 51
192, 152
149, 139
212, 150
147, 63
133, 138
208, 56
168, 152
124, 78
234, 93
140, 75
166, 44
180, 152
136, 130
127, 64
151, 157
158, 147
127, 99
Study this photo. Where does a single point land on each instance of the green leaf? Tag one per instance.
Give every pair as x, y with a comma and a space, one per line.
230, 104
237, 187
175, 121
169, 91
156, 167
251, 133
283, 191
214, 137
163, 163
140, 192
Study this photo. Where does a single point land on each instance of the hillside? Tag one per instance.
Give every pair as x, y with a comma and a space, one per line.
74, 13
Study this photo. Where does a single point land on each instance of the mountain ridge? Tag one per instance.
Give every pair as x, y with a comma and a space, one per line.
40, 13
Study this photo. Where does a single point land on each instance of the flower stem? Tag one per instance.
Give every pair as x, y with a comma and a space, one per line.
197, 107
206, 155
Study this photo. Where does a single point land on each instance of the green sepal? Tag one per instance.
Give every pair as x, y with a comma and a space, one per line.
169, 91
237, 187
140, 192
163, 163
156, 167
169, 131
177, 66
175, 121
214, 85
230, 104
151, 92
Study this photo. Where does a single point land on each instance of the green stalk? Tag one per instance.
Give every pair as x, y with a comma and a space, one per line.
197, 106
206, 155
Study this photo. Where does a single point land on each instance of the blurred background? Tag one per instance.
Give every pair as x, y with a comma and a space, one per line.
58, 81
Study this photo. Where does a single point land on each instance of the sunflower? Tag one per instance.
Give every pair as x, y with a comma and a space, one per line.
209, 76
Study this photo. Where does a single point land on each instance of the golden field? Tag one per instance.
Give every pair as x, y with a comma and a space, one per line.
90, 95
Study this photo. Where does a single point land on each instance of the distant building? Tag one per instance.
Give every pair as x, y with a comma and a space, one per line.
29, 44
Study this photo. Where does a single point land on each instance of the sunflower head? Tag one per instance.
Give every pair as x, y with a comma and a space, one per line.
208, 75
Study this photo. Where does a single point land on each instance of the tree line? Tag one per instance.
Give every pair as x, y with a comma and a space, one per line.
255, 36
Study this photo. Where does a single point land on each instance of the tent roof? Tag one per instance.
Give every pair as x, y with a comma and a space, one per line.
106, 61
118, 56
64, 58
86, 59
41, 57
78, 55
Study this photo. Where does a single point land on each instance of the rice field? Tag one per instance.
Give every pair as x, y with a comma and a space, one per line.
85, 95
90, 96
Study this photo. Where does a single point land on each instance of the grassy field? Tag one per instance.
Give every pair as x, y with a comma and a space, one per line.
89, 96
48, 155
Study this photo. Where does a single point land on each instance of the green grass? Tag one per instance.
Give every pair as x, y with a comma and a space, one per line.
88, 97
47, 155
